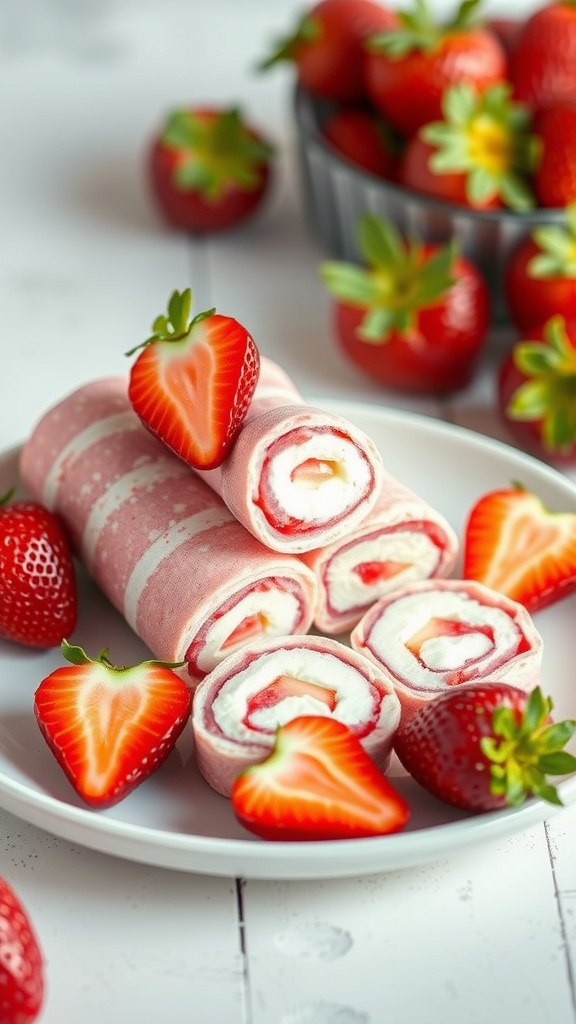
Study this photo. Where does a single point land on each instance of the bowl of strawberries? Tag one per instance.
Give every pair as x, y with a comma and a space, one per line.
462, 129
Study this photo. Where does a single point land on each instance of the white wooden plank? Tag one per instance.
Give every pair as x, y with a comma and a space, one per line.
476, 937
125, 942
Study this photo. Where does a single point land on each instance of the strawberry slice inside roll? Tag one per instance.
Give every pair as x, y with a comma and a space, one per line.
238, 707
402, 540
298, 477
162, 546
436, 634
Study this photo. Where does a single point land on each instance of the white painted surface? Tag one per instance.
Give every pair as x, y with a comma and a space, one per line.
489, 934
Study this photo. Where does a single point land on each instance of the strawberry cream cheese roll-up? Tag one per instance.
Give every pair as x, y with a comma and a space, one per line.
297, 477
402, 540
163, 547
240, 704
436, 634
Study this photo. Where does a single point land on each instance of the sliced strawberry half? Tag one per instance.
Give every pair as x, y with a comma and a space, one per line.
518, 547
110, 727
193, 381
318, 783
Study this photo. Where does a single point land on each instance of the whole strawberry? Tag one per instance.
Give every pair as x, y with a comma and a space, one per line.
415, 316
555, 175
407, 70
540, 275
486, 746
38, 596
21, 962
543, 66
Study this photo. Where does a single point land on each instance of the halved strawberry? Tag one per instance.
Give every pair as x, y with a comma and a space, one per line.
110, 727
515, 545
318, 783
486, 746
193, 381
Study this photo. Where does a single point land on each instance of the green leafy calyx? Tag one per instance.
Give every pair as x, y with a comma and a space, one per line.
175, 325
77, 656
487, 138
548, 396
214, 150
308, 30
398, 280
557, 245
523, 752
420, 31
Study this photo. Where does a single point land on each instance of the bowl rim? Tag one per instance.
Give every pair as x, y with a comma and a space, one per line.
307, 109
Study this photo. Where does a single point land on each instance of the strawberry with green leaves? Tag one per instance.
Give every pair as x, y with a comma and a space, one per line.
408, 69
318, 783
537, 392
486, 746
480, 155
193, 381
414, 316
326, 46
516, 546
110, 727
209, 169
38, 593
540, 276
22, 980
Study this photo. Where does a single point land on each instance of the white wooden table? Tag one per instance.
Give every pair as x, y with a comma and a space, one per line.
488, 934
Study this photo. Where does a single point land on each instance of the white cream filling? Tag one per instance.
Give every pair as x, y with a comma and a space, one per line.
279, 610
354, 698
345, 588
442, 654
331, 497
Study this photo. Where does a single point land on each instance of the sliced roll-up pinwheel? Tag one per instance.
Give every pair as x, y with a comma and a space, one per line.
240, 704
162, 546
297, 477
437, 634
403, 539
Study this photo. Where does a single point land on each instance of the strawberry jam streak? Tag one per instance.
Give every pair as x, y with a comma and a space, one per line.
375, 571
268, 504
279, 690
282, 583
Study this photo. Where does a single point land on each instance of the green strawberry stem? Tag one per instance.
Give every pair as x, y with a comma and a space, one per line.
420, 31
549, 393
487, 138
397, 281
177, 325
557, 256
308, 30
524, 753
7, 496
77, 656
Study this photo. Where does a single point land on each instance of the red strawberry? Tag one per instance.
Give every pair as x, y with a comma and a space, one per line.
326, 46
543, 67
406, 71
193, 381
362, 138
209, 169
480, 155
110, 727
486, 746
537, 392
540, 277
555, 176
318, 783
416, 317
515, 545
38, 598
21, 962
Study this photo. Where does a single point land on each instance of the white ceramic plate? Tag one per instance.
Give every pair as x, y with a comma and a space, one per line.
174, 819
